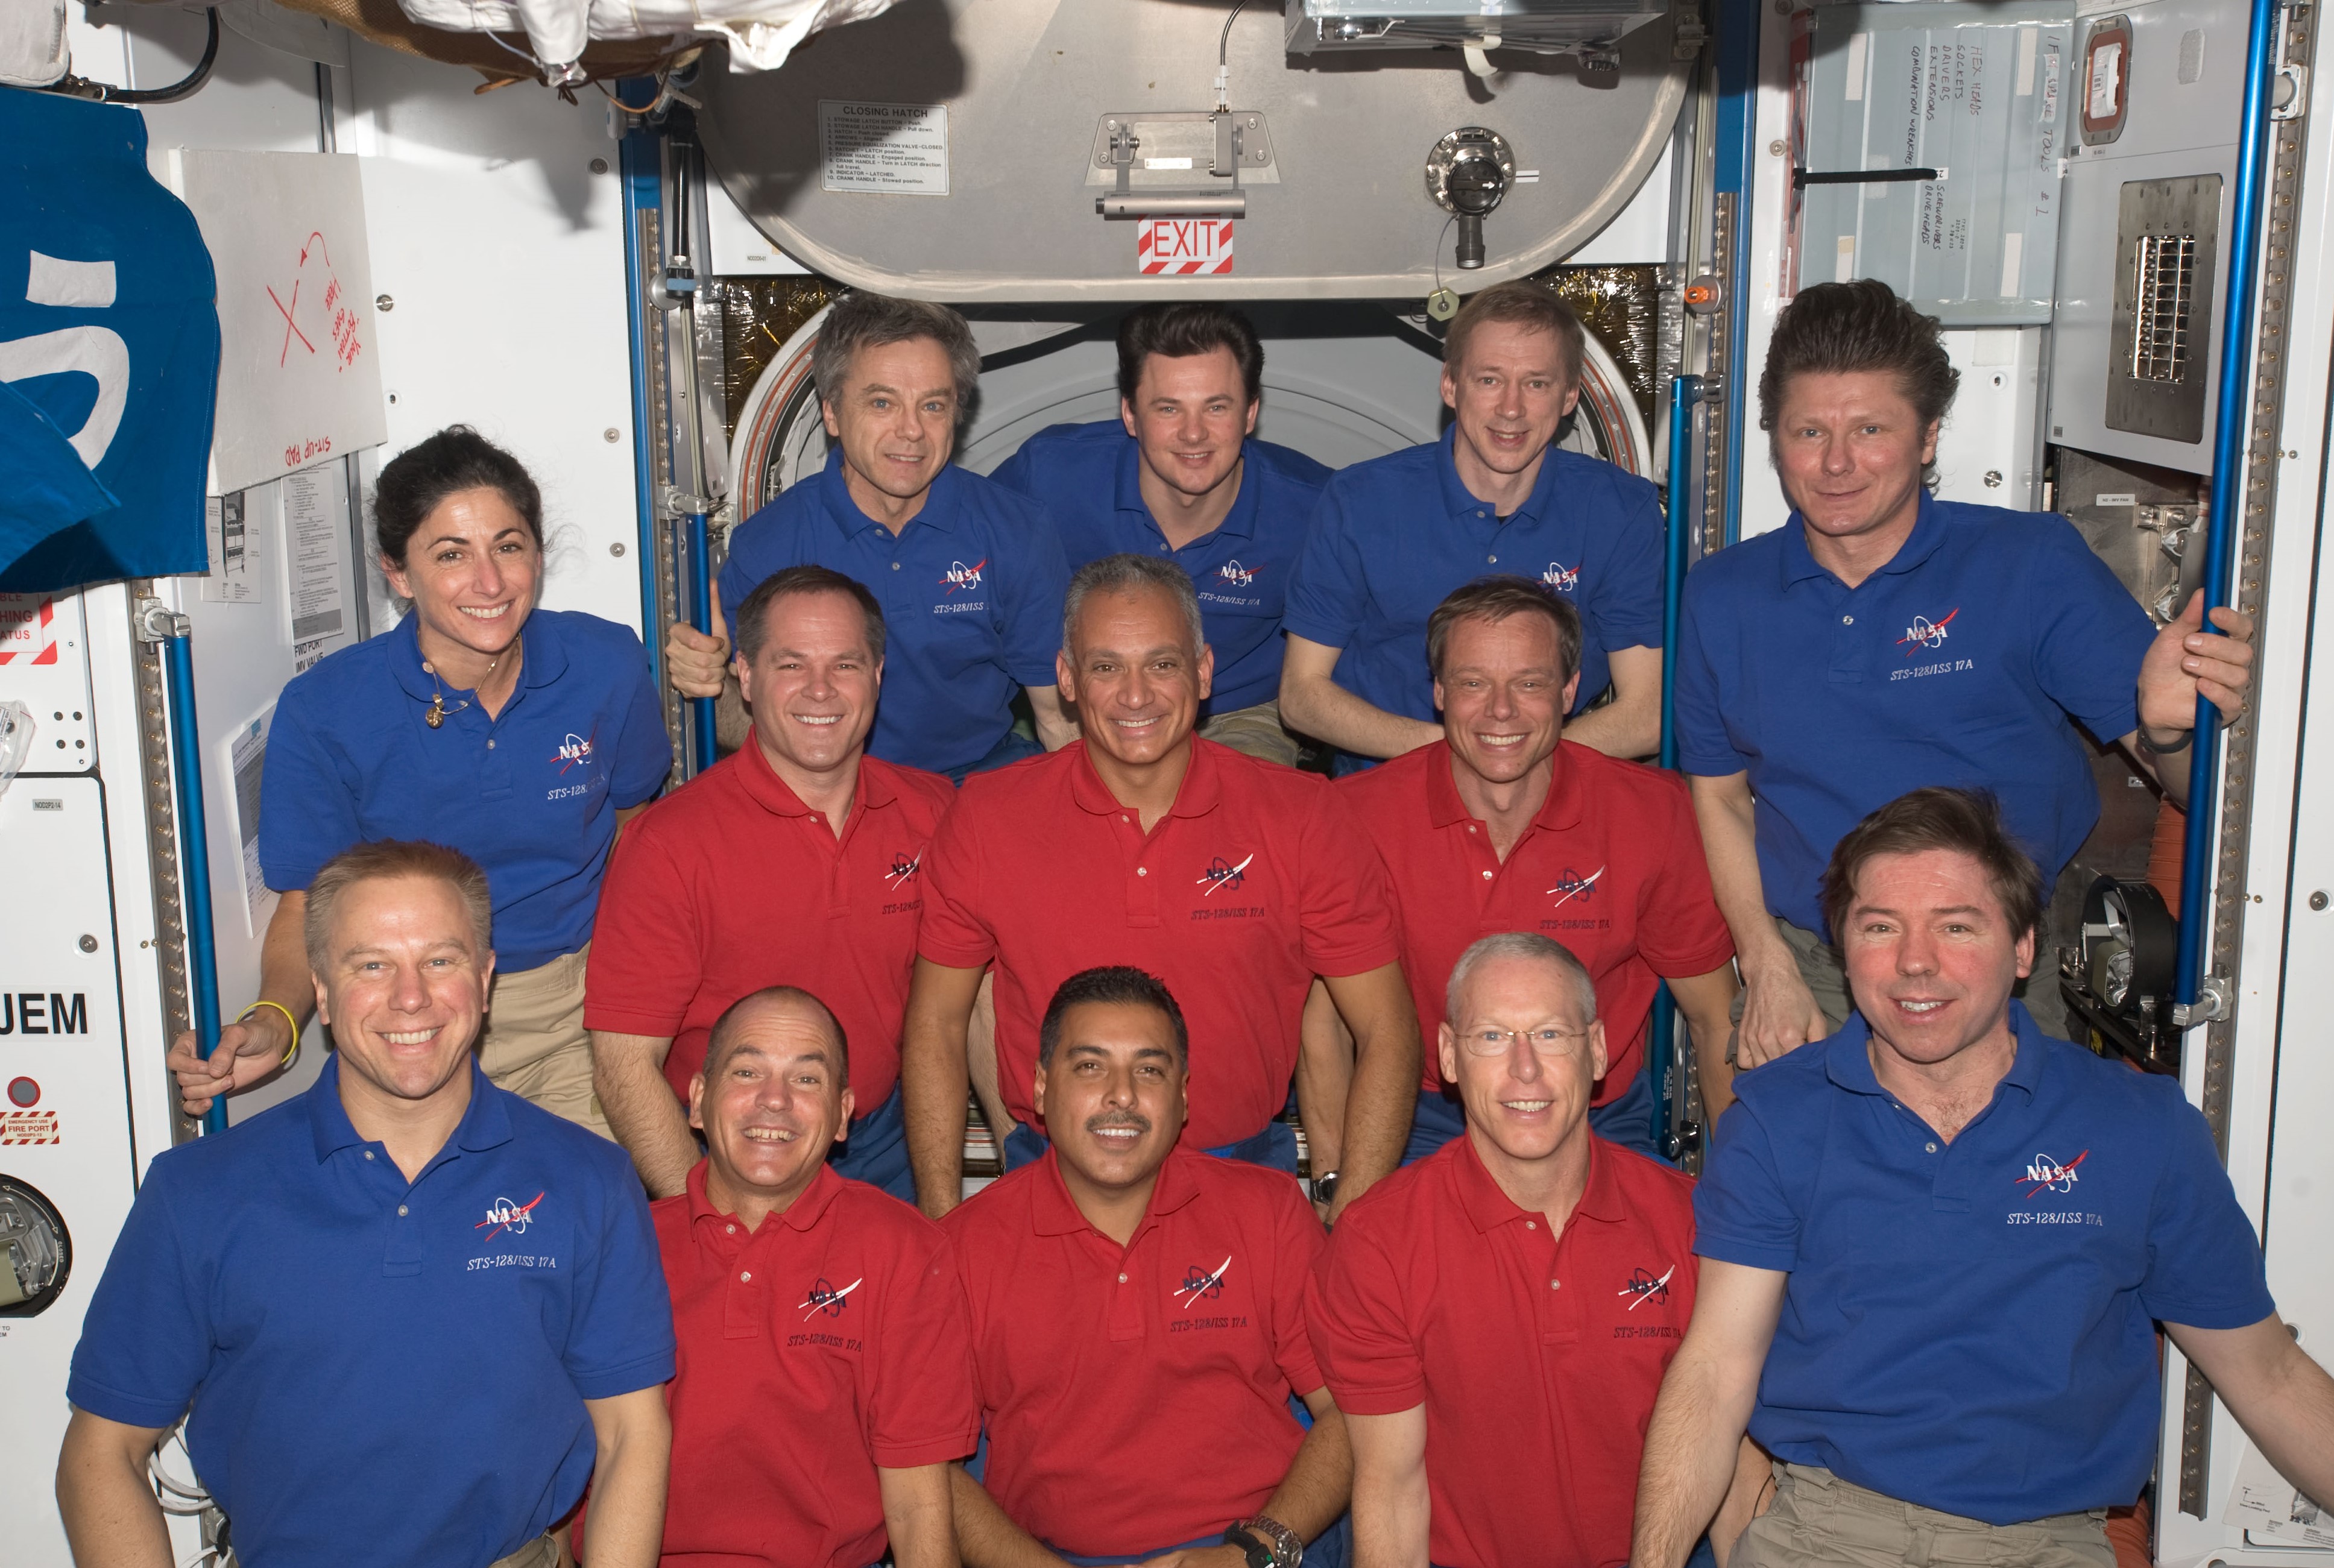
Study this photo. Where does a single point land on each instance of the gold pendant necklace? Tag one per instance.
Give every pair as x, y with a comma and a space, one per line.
435, 718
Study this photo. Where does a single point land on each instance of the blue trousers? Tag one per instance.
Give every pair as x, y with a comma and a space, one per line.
876, 1152
1011, 749
1628, 1121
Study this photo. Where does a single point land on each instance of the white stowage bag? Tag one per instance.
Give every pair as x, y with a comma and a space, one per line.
761, 34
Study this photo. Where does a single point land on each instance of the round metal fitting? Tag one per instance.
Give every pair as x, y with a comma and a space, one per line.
1469, 170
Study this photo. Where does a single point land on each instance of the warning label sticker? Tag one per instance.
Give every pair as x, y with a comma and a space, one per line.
28, 629
19, 1128
883, 148
1184, 246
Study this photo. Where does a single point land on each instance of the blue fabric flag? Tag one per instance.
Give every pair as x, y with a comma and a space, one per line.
109, 353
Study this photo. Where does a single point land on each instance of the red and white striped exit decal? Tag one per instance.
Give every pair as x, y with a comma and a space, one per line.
28, 631
1184, 246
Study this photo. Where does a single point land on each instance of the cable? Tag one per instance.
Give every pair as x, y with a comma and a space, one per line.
78, 87
1223, 59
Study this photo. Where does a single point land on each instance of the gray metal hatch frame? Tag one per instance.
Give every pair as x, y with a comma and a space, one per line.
1024, 81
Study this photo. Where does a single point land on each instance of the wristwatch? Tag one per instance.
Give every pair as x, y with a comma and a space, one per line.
1268, 1543
1324, 1188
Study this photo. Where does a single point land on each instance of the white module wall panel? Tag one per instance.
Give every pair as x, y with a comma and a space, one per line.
65, 1118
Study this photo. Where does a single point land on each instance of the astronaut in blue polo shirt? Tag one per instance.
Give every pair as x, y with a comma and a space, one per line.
969, 575
1180, 473
1935, 1248
412, 1313
1883, 640
1494, 496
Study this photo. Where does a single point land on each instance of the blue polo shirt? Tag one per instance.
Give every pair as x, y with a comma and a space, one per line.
972, 590
1968, 660
1968, 1325
1395, 535
381, 1373
1089, 478
531, 794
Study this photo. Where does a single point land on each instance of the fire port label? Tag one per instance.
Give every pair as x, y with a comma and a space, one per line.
1184, 246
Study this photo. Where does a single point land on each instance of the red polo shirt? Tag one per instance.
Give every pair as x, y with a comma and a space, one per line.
828, 1341
1610, 866
1254, 883
1546, 1352
1137, 1397
732, 884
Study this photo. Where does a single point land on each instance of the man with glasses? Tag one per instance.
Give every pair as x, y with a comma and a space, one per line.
1551, 1273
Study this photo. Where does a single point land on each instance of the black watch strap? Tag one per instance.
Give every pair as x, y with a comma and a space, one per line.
1260, 1555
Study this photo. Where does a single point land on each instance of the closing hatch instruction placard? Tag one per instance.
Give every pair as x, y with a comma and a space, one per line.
883, 148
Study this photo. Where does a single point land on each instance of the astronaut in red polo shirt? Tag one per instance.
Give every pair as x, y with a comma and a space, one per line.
1236, 881
796, 860
825, 1375
1502, 1310
1138, 1314
1503, 825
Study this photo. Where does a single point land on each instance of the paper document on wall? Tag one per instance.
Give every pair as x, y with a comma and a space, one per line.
299, 377
246, 760
2265, 1504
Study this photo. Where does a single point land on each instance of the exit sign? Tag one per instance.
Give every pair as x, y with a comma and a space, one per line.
1184, 246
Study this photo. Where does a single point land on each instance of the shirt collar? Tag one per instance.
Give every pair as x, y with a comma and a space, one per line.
1490, 1207
938, 510
1561, 810
801, 1215
1928, 533
1847, 1054
485, 1124
1056, 1213
1462, 501
773, 793
543, 656
1201, 789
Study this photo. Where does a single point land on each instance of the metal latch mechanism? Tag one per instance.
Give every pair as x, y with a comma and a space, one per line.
1224, 144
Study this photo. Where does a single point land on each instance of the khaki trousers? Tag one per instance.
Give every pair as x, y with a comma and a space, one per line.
543, 1552
1256, 731
1820, 971
535, 1044
1819, 1521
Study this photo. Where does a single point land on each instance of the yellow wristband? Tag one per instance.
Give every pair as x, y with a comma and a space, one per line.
294, 1053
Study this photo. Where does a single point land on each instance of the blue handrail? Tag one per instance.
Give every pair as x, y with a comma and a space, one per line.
1737, 158
1685, 392
2231, 418
193, 855
639, 179
699, 588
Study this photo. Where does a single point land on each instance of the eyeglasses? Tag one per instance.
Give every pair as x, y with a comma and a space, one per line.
1548, 1041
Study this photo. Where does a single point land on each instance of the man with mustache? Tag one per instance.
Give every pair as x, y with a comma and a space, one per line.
1138, 1323
1494, 495
825, 1379
1237, 882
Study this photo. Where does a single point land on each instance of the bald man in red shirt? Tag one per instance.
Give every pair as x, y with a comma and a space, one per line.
1504, 1309
825, 1372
